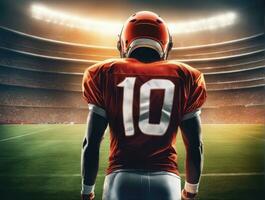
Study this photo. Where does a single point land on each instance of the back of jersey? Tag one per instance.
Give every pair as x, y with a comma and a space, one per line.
144, 104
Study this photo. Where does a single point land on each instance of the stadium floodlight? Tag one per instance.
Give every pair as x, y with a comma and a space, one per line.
57, 17
210, 23
113, 27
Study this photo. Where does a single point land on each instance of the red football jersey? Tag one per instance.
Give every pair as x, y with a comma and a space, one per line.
144, 105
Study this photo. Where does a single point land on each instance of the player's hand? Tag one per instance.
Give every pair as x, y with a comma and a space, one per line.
187, 196
90, 196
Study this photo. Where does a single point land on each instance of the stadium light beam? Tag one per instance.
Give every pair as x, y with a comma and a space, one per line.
44, 13
210, 23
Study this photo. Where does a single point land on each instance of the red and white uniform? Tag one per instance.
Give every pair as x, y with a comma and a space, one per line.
144, 104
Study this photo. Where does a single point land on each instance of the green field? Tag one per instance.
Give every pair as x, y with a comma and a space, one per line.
42, 162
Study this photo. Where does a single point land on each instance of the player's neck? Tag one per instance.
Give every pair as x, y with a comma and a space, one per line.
145, 55
144, 60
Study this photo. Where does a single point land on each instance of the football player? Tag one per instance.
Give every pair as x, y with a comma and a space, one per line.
143, 98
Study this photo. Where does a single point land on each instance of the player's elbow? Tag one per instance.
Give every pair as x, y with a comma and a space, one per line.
90, 147
84, 143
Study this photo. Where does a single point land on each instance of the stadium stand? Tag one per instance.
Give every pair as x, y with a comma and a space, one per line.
40, 79
234, 114
25, 114
235, 75
233, 67
234, 47
72, 81
27, 43
236, 97
60, 98
15, 40
22, 60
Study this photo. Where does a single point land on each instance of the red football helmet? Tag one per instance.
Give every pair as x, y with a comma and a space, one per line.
145, 29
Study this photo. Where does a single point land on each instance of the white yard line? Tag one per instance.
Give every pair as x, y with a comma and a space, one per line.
27, 130
27, 134
234, 174
256, 138
102, 175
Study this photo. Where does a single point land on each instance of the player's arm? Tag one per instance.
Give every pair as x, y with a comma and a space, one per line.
93, 89
195, 96
96, 125
191, 134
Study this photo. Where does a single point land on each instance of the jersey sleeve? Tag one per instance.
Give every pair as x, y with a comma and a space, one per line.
92, 89
196, 95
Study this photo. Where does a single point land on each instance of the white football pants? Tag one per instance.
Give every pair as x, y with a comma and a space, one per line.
141, 185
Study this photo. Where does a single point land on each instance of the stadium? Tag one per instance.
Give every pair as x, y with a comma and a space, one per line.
44, 50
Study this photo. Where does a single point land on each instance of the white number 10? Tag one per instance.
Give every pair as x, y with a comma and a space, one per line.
156, 129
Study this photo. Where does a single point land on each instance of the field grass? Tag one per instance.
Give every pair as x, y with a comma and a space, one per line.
42, 162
